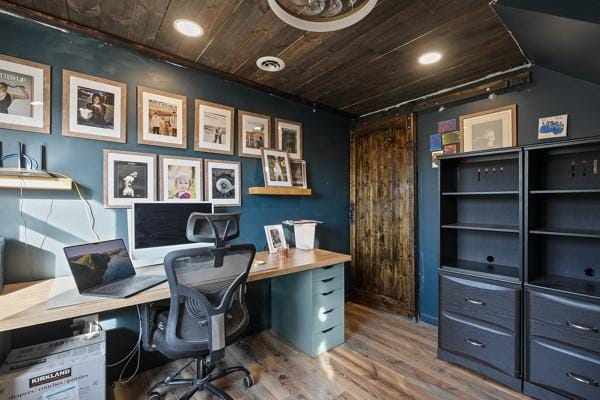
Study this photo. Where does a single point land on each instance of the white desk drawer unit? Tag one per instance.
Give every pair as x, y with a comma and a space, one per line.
307, 308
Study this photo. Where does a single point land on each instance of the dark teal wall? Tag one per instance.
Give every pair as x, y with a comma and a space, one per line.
550, 93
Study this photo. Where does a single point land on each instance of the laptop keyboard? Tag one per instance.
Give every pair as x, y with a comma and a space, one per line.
117, 286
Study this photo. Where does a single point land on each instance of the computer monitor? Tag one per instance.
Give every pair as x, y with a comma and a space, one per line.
157, 228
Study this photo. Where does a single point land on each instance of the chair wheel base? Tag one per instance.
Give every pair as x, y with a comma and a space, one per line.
154, 396
248, 381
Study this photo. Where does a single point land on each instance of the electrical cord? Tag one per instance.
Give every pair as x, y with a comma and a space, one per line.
135, 351
25, 156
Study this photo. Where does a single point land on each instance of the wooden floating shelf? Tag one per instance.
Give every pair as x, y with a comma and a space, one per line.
280, 191
35, 182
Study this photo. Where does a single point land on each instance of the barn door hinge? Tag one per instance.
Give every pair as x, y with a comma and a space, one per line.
351, 213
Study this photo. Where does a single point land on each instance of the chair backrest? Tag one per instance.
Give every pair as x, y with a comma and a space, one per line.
205, 281
216, 228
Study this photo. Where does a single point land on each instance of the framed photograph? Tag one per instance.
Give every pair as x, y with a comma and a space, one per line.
275, 237
24, 95
288, 137
254, 133
298, 172
552, 127
128, 177
94, 108
490, 129
276, 168
161, 118
214, 128
223, 182
180, 179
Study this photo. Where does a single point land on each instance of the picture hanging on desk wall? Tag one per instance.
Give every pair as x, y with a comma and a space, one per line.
288, 137
254, 133
276, 168
298, 172
180, 179
552, 127
490, 129
161, 118
94, 107
214, 128
223, 182
24, 95
128, 177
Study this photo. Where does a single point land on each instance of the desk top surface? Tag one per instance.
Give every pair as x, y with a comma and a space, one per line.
25, 304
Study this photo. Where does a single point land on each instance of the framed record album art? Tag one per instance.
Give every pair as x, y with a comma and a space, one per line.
223, 182
214, 128
128, 177
254, 133
288, 137
161, 118
180, 179
24, 95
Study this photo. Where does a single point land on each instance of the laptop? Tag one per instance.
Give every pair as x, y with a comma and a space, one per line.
105, 269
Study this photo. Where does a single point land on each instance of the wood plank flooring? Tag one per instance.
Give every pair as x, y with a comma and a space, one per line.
385, 357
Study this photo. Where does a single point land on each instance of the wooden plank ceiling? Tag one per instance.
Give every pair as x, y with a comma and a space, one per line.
366, 67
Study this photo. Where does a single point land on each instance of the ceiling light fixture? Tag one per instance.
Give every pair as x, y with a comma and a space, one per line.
321, 15
430, 58
270, 64
188, 28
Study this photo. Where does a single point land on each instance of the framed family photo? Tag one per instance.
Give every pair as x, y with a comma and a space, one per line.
94, 108
223, 182
276, 168
490, 129
254, 133
128, 177
24, 95
288, 137
214, 128
180, 179
161, 118
275, 237
298, 172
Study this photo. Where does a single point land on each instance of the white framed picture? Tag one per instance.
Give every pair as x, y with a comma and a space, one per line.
24, 95
214, 128
298, 172
223, 182
288, 137
94, 107
161, 118
128, 177
552, 127
180, 179
276, 168
490, 129
275, 237
254, 133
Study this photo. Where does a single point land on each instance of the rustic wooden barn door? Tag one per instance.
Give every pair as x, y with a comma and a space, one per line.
382, 272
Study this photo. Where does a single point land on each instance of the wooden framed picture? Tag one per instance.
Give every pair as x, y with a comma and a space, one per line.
275, 237
128, 177
288, 137
94, 107
276, 168
223, 182
24, 95
490, 129
298, 172
161, 118
214, 128
254, 133
180, 179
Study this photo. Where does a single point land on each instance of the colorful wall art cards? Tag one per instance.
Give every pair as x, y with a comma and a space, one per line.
447, 125
435, 142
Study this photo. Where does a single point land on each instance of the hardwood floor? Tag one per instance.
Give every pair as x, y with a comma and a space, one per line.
385, 357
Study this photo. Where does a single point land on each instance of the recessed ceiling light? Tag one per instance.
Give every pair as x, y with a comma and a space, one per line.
430, 58
188, 28
270, 64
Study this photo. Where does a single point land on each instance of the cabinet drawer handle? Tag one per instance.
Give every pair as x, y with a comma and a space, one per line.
327, 293
582, 327
474, 342
582, 379
328, 330
329, 267
476, 302
327, 280
328, 311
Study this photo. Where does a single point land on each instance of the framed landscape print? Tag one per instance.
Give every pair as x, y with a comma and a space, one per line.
94, 108
128, 177
223, 182
276, 168
161, 118
288, 137
180, 179
490, 129
298, 172
24, 95
254, 133
214, 128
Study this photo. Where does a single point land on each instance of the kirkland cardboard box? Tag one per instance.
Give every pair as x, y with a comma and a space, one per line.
68, 369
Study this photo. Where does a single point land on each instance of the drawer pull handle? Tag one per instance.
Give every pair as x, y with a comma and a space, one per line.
327, 293
328, 330
327, 280
474, 342
328, 311
329, 267
582, 327
476, 302
582, 379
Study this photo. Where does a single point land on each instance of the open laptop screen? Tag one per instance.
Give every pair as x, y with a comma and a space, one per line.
93, 264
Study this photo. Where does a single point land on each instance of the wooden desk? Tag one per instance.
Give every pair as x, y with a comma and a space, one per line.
24, 304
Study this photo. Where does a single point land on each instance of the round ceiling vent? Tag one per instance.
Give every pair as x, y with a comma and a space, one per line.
270, 64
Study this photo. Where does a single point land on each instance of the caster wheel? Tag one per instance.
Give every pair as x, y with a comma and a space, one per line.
154, 396
248, 381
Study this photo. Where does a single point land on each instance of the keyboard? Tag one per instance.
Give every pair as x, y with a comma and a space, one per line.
127, 286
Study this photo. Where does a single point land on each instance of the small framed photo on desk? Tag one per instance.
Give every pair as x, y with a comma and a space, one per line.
275, 237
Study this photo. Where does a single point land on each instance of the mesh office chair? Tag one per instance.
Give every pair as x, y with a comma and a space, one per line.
207, 308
